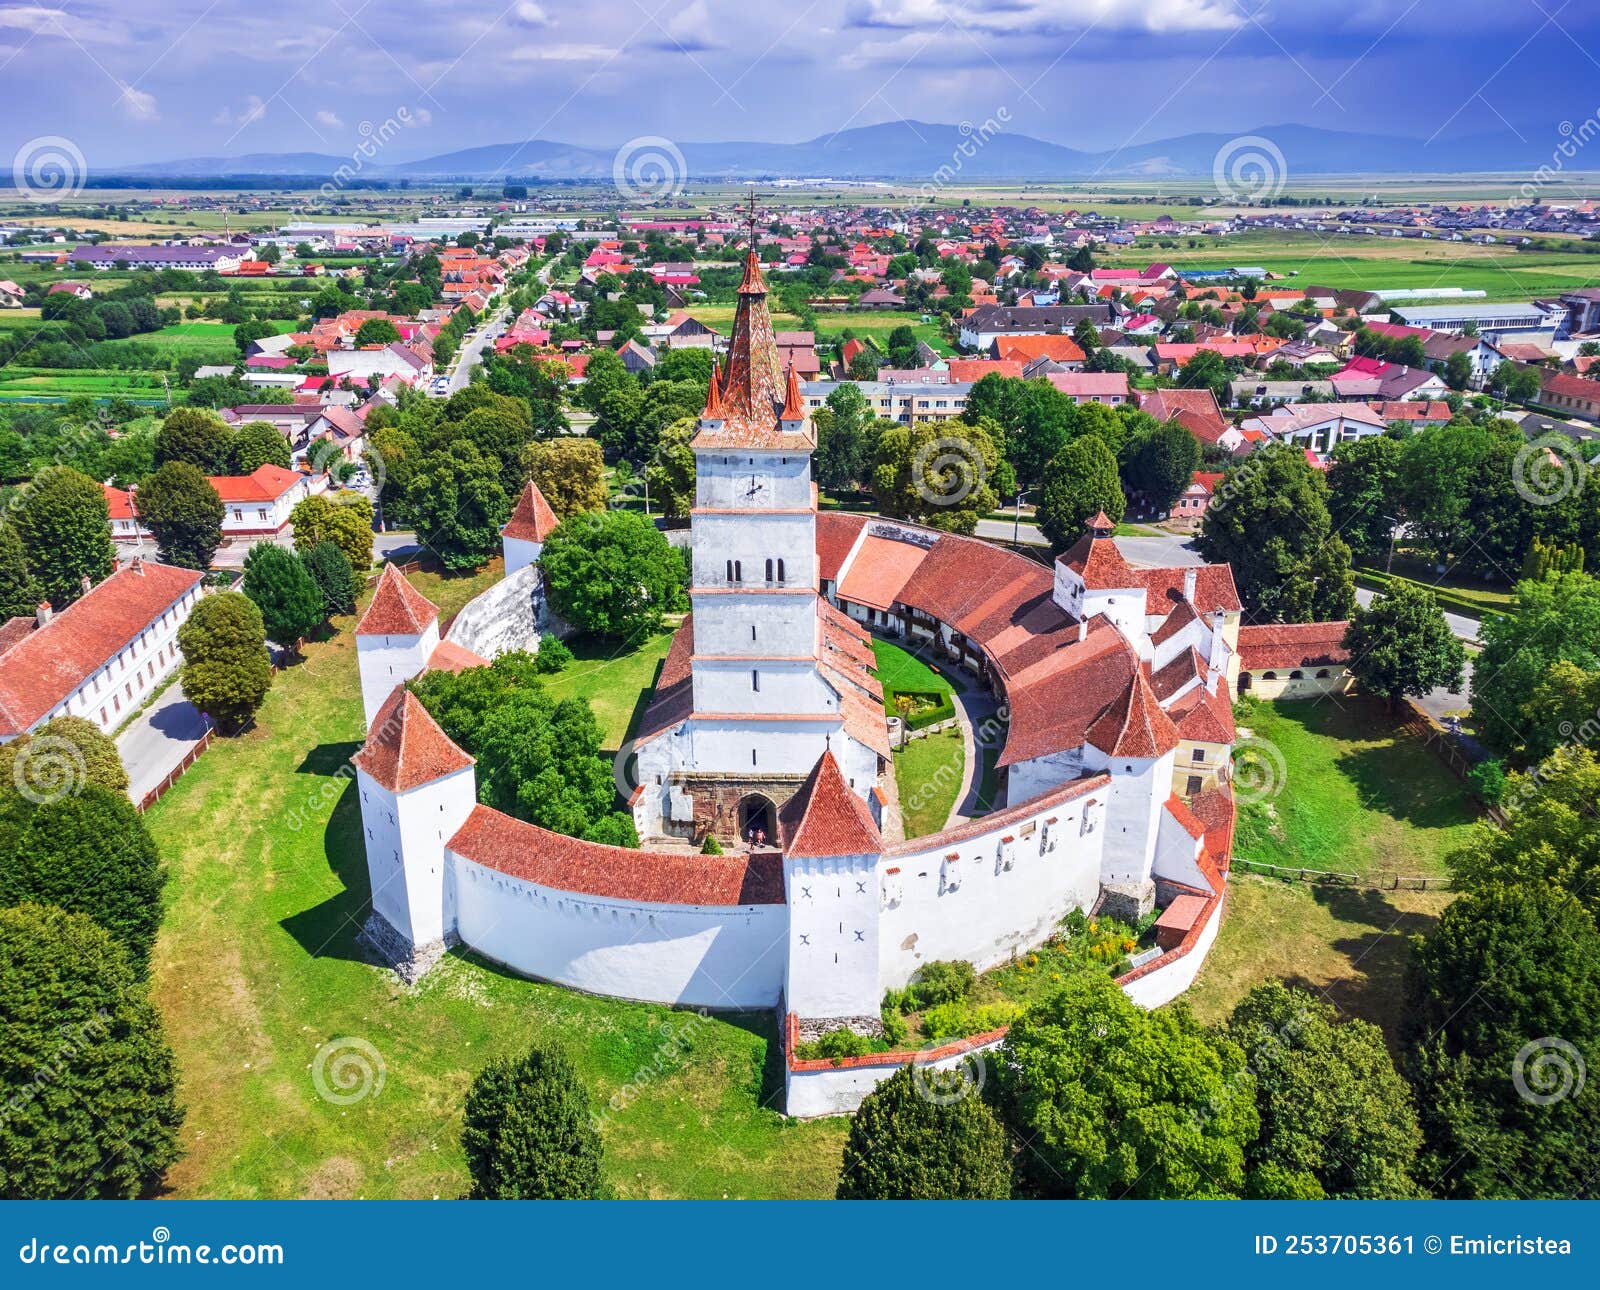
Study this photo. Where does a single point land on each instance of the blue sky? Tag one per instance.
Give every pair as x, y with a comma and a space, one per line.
139, 81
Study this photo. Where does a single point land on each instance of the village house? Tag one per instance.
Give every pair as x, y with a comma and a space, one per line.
256, 505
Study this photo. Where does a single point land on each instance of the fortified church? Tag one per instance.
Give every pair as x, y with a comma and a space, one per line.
767, 731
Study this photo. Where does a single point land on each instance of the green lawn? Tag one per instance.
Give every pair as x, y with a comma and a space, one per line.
1353, 793
616, 681
1345, 944
928, 774
257, 967
901, 671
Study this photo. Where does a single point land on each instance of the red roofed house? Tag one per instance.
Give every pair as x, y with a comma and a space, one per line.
101, 656
1293, 660
1574, 395
256, 505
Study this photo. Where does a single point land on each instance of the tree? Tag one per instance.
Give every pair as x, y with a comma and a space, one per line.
183, 512
670, 472
1080, 481
1161, 463
88, 852
1551, 834
65, 528
1270, 521
458, 504
938, 474
281, 587
72, 750
1336, 1118
91, 1084
258, 443
905, 1145
612, 573
1118, 1102
19, 594
844, 446
346, 522
197, 437
528, 1132
1205, 370
1087, 336
1364, 493
376, 331
570, 472
1503, 1001
330, 569
1458, 370
226, 671
1551, 621
1401, 646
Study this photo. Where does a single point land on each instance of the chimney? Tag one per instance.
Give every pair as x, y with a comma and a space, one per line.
85, 584
135, 565
1083, 628
44, 613
1189, 576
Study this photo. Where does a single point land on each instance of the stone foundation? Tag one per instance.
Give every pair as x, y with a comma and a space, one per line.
394, 950
1129, 902
814, 1028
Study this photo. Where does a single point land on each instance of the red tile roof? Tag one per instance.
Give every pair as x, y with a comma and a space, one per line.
45, 666
1291, 645
553, 860
881, 568
447, 656
825, 818
836, 534
397, 608
405, 747
1135, 725
532, 520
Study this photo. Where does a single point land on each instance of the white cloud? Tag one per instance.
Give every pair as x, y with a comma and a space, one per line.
136, 104
329, 119
562, 53
530, 14
1026, 16
252, 111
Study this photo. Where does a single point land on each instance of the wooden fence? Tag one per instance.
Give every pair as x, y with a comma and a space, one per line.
173, 776
1383, 880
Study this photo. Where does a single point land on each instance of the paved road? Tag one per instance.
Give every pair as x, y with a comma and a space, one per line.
163, 736
1000, 531
472, 352
1165, 551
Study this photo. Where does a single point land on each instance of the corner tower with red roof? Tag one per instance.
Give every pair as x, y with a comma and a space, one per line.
394, 639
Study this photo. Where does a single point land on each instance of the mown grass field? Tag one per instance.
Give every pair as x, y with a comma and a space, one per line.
927, 777
257, 968
1345, 790
1347, 945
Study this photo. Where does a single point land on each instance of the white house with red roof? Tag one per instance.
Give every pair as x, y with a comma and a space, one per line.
101, 656
256, 505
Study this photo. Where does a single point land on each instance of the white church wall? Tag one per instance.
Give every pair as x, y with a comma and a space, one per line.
759, 623
696, 955
752, 539
761, 686
753, 479
510, 615
1027, 779
405, 836
984, 897
519, 553
1164, 983
821, 1088
833, 937
779, 746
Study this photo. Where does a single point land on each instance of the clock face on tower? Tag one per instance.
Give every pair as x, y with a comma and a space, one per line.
755, 489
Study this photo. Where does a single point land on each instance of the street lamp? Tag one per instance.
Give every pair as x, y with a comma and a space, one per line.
1016, 523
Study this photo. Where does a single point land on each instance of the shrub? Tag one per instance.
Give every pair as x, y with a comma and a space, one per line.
1487, 780
838, 1044
711, 847
959, 1019
551, 656
942, 981
895, 1030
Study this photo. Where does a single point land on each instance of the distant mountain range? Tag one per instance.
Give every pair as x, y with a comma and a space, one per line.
913, 150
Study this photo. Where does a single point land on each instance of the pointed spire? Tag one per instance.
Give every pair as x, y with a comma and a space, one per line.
405, 747
714, 395
826, 818
794, 409
1100, 525
397, 608
532, 520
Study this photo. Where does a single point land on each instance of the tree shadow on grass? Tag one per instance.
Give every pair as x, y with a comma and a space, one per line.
764, 1025
1373, 989
329, 930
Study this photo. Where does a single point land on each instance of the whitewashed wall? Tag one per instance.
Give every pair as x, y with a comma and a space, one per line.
510, 615
708, 956
838, 1090
1166, 983
1005, 897
388, 661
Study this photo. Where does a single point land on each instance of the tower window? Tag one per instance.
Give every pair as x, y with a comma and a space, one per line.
755, 680
780, 571
769, 570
